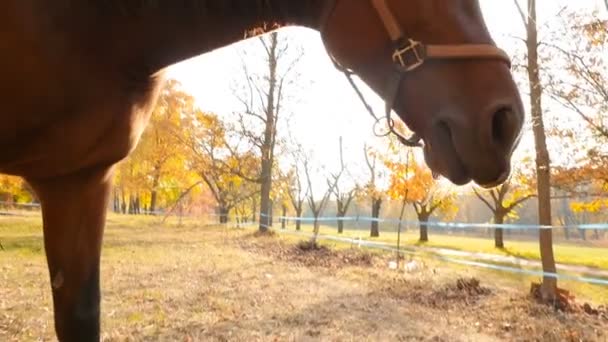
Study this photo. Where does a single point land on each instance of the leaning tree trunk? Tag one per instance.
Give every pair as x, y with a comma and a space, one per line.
543, 166
376, 205
499, 218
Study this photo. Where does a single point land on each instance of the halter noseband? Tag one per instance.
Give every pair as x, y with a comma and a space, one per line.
409, 55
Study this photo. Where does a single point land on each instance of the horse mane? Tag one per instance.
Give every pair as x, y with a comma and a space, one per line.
282, 12
264, 8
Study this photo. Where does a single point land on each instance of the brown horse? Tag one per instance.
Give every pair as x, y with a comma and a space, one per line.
80, 78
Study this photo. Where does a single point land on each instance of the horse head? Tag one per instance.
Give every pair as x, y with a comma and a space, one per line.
436, 65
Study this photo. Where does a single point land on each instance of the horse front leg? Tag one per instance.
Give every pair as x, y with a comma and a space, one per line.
73, 212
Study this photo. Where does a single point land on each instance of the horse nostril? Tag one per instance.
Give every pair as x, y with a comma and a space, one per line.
504, 127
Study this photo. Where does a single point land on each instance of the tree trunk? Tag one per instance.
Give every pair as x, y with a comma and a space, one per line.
298, 216
269, 137
376, 205
223, 212
403, 203
315, 230
583, 234
499, 218
284, 213
423, 219
115, 201
153, 199
123, 202
265, 204
131, 205
543, 166
341, 213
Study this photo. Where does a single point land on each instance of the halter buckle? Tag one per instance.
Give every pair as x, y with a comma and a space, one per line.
411, 56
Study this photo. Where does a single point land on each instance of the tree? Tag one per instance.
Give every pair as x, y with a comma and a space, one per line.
296, 192
156, 173
581, 44
372, 190
343, 197
415, 184
14, 190
213, 160
543, 165
505, 199
280, 194
263, 103
399, 187
343, 200
318, 205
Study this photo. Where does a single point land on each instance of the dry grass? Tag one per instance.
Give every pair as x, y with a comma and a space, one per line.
162, 282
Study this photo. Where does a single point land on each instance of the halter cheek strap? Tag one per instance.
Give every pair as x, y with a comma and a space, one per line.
408, 55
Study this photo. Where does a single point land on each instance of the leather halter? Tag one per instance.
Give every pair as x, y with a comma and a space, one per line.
407, 56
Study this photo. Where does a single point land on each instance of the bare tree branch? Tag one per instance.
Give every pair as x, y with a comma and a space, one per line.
520, 10
484, 200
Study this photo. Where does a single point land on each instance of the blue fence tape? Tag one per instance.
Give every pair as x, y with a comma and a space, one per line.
445, 225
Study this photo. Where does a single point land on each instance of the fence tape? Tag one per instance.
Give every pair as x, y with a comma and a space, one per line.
445, 225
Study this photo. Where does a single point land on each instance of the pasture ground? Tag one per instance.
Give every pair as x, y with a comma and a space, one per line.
589, 253
189, 283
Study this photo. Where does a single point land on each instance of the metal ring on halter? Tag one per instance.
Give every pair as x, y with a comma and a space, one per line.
413, 141
377, 131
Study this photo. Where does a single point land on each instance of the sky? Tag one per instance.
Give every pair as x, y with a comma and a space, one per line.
327, 107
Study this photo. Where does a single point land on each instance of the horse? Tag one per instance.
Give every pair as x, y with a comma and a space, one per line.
79, 80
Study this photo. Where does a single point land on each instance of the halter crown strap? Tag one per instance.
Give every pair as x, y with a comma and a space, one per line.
467, 51
390, 22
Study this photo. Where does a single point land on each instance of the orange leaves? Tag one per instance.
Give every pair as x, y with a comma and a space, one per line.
414, 183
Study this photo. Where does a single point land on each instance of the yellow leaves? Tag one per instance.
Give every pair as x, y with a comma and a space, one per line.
594, 206
159, 163
13, 189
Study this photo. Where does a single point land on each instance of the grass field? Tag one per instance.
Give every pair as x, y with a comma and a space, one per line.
193, 283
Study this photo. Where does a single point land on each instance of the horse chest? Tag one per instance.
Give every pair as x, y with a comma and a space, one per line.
73, 126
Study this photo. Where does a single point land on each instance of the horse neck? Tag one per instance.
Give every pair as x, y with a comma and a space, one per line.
161, 33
